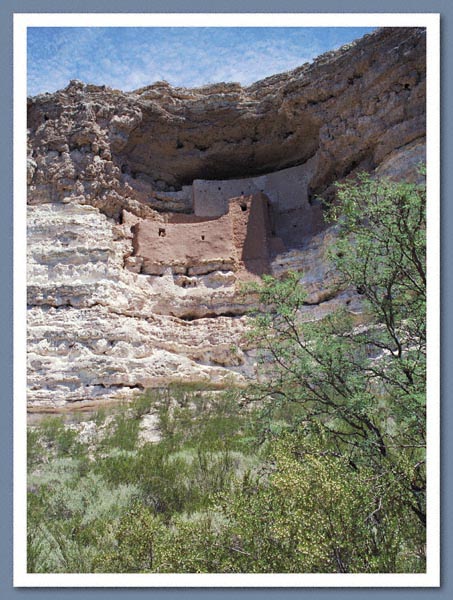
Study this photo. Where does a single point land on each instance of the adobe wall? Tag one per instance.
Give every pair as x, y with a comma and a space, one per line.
190, 244
252, 232
286, 189
185, 244
295, 215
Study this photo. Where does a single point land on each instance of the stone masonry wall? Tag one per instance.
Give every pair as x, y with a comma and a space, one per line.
295, 215
192, 245
201, 243
286, 189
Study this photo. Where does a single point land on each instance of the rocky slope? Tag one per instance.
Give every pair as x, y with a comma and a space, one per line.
100, 161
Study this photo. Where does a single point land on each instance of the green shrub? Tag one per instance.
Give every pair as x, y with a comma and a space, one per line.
35, 449
122, 432
134, 547
61, 439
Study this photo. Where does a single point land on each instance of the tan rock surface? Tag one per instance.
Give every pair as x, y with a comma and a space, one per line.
104, 165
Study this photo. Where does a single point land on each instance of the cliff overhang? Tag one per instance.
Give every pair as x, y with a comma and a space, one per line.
137, 235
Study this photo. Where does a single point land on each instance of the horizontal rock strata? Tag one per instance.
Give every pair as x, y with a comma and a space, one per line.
148, 210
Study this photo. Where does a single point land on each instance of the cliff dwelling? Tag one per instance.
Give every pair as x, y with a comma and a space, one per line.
234, 224
242, 239
146, 209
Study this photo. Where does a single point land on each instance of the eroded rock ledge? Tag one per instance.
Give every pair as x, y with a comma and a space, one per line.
147, 209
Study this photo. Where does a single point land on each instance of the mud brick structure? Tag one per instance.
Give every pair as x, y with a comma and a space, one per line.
239, 240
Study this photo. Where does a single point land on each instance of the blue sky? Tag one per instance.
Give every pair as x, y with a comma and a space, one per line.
127, 58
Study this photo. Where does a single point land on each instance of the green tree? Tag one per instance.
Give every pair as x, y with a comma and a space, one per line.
363, 384
312, 513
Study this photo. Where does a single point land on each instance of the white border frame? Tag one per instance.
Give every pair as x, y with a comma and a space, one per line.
429, 20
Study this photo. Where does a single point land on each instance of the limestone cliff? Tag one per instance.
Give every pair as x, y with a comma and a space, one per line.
117, 180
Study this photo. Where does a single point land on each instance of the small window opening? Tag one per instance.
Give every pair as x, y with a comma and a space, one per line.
162, 232
219, 188
202, 238
243, 206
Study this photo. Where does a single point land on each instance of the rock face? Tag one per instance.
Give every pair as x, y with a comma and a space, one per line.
148, 209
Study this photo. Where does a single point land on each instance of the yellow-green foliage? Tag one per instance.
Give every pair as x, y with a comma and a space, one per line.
315, 513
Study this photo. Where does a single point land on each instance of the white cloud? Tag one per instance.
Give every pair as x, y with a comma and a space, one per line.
128, 59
